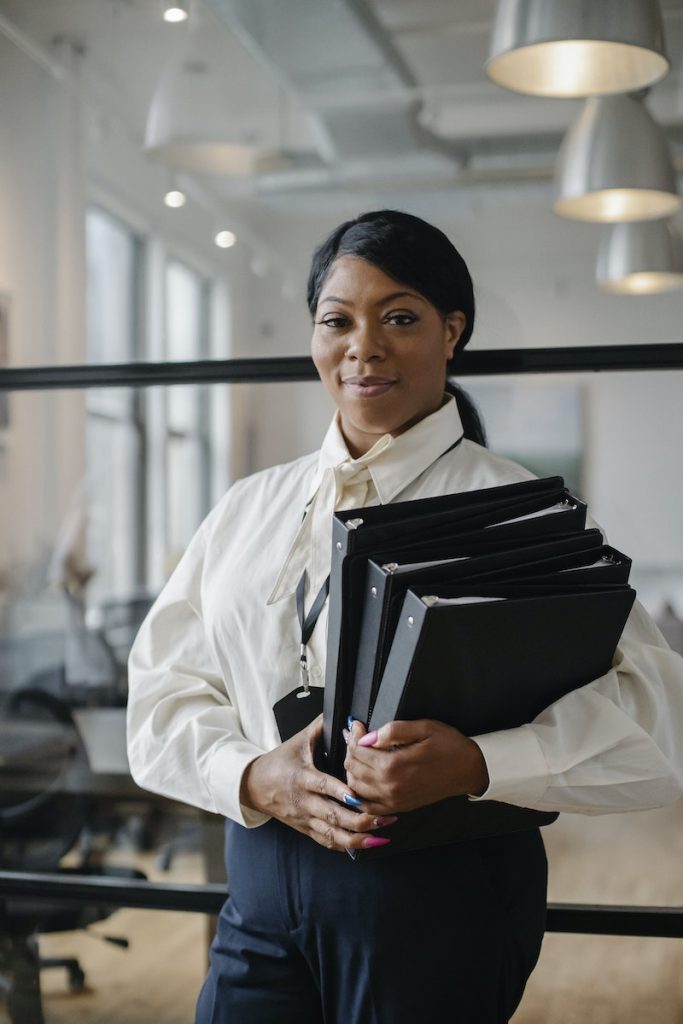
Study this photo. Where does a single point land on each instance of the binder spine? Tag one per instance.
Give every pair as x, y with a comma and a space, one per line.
399, 663
365, 681
332, 711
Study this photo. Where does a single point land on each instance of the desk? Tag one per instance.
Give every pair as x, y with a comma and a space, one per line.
103, 732
29, 748
25, 743
106, 779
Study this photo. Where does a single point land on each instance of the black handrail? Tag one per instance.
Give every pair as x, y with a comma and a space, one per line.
300, 368
577, 918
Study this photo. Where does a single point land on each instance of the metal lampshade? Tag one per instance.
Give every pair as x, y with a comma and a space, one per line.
641, 259
577, 47
196, 120
189, 125
614, 164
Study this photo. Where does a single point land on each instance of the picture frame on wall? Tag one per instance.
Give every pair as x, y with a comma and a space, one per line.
4, 361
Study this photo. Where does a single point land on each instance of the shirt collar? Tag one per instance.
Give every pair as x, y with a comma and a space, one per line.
397, 461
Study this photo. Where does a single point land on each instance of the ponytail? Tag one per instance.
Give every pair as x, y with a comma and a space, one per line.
472, 423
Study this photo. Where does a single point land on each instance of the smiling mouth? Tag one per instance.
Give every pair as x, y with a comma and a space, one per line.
367, 387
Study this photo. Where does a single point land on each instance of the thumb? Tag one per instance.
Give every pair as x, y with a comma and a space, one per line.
394, 734
315, 729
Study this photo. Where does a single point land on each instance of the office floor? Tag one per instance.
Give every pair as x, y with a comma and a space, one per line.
579, 980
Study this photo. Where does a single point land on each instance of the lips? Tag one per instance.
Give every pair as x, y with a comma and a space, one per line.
368, 387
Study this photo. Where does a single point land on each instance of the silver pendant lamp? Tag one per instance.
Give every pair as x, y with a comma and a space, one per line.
641, 259
574, 48
196, 120
614, 164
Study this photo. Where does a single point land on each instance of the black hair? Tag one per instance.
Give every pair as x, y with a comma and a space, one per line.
415, 253
472, 423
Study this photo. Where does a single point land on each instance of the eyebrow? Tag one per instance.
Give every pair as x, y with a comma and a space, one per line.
380, 302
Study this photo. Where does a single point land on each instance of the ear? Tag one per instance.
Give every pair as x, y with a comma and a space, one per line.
454, 325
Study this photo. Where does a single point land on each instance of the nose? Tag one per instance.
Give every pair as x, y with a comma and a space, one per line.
365, 343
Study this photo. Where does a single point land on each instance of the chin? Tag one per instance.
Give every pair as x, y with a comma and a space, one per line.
378, 425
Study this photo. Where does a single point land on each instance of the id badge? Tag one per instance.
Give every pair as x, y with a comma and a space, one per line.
297, 710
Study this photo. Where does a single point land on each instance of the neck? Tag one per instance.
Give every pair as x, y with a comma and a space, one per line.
359, 442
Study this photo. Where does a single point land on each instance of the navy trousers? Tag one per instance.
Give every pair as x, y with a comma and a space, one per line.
307, 936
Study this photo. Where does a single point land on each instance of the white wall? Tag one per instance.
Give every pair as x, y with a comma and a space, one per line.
41, 271
635, 475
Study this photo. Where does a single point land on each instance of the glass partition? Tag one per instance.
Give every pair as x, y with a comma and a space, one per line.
99, 494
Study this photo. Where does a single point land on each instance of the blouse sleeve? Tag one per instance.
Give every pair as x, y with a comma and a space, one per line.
613, 745
185, 739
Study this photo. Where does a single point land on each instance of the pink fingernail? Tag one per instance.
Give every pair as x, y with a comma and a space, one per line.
374, 841
369, 739
389, 820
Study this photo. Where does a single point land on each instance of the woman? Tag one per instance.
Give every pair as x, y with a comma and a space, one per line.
308, 935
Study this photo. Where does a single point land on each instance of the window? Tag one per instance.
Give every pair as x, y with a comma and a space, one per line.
187, 416
115, 434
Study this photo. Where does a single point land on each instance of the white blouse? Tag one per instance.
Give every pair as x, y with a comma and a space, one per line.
221, 644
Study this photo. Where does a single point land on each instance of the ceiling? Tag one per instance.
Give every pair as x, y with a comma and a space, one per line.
347, 91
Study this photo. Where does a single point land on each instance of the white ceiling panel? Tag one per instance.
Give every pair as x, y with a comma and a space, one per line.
449, 56
399, 15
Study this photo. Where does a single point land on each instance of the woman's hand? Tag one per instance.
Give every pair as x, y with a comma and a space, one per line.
405, 765
285, 784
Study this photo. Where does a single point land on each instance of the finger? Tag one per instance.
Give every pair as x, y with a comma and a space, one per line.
355, 730
366, 755
311, 736
396, 734
336, 816
315, 729
314, 781
371, 757
381, 812
338, 839
368, 786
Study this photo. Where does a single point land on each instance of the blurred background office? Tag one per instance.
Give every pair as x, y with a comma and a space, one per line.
165, 173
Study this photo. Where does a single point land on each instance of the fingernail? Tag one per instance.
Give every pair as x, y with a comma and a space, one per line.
369, 739
371, 841
382, 822
351, 801
349, 722
346, 734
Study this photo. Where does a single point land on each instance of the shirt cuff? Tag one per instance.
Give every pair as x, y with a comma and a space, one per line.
228, 765
518, 772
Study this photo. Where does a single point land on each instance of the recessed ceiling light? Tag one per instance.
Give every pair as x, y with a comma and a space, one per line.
175, 198
176, 12
225, 239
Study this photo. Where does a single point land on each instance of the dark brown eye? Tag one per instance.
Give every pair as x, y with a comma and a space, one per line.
400, 319
333, 321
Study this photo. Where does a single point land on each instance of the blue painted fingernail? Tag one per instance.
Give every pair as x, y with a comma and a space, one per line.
351, 801
349, 722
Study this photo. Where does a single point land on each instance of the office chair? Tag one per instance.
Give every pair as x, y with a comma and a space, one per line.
42, 817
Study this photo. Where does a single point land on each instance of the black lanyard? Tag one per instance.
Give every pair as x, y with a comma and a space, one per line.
308, 624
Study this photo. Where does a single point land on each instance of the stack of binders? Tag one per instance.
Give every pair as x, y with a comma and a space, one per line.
477, 609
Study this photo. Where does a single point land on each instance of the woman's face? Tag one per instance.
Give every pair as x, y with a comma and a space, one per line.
381, 350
